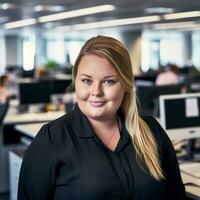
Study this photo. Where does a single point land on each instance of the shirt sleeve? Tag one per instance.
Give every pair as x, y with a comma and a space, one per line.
174, 185
37, 174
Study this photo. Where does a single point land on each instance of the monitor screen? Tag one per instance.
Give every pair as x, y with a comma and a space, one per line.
27, 73
34, 92
58, 86
151, 78
180, 115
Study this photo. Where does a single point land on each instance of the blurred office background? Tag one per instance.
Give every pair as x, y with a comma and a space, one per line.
156, 32
39, 42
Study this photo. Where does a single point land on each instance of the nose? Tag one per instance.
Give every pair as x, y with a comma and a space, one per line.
96, 90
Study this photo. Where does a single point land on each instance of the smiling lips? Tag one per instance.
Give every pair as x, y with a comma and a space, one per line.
97, 103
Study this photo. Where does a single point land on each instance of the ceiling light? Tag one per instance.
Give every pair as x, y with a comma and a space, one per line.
182, 15
6, 6
111, 23
20, 23
76, 13
176, 25
159, 10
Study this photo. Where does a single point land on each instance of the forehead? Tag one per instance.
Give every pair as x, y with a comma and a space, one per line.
95, 63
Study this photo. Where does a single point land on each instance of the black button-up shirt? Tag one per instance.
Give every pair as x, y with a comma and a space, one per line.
67, 161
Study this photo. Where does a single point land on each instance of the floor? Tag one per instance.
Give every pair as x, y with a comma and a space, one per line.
4, 196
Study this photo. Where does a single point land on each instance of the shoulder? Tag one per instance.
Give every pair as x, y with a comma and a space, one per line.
66, 121
63, 121
158, 132
154, 126
151, 122
52, 138
57, 129
164, 144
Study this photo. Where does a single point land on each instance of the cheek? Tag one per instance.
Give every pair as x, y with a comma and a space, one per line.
115, 94
81, 92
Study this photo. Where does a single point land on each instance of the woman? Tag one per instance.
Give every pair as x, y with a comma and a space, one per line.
102, 149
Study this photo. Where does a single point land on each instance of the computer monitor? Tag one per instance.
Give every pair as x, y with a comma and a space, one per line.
148, 97
27, 73
151, 78
180, 115
192, 84
34, 92
58, 86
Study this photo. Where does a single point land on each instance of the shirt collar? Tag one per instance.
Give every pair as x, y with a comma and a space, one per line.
85, 129
125, 137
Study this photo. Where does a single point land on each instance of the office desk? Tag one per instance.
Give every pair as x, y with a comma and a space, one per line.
22, 118
192, 191
29, 129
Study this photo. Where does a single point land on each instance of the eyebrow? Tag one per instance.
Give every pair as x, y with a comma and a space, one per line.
109, 76
86, 75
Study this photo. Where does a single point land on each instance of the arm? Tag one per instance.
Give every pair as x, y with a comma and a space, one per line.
37, 175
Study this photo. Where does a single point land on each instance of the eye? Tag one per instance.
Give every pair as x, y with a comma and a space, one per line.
109, 82
87, 81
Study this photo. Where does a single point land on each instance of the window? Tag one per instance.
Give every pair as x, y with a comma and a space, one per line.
29, 52
73, 48
196, 49
56, 50
2, 55
160, 48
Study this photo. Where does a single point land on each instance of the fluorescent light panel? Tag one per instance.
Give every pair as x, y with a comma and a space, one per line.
20, 23
181, 15
176, 25
111, 23
6, 6
59, 16
76, 13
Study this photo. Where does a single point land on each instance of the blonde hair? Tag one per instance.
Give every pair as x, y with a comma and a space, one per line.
143, 140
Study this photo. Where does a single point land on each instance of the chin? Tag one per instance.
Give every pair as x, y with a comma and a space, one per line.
95, 115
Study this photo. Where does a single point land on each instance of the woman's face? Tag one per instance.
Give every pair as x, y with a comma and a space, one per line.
98, 89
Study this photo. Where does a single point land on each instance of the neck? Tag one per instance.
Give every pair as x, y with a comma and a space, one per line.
103, 123
105, 129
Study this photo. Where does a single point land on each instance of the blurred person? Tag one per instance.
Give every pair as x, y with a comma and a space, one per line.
169, 76
41, 72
